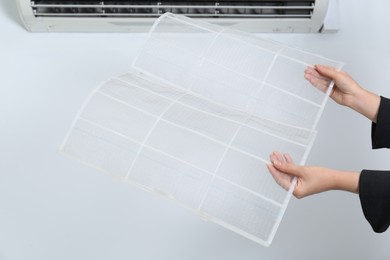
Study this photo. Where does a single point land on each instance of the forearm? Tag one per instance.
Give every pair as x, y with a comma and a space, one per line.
345, 180
366, 103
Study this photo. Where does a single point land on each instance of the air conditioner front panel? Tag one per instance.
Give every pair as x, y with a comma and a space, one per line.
137, 16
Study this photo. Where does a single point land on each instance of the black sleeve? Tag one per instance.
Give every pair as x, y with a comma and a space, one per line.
374, 193
380, 131
374, 186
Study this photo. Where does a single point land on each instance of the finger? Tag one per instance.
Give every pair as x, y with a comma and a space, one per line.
288, 168
319, 83
287, 157
326, 67
327, 71
279, 177
312, 72
317, 80
278, 156
273, 158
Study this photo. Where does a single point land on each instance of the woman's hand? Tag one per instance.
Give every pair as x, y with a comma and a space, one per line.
346, 91
310, 180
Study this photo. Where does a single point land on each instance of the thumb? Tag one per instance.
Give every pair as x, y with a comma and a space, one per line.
327, 71
288, 168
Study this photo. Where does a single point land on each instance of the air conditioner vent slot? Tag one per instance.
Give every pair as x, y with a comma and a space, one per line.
200, 8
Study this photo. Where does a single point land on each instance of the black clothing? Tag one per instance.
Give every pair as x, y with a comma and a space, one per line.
380, 132
374, 186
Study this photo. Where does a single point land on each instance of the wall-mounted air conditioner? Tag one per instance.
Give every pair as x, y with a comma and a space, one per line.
138, 15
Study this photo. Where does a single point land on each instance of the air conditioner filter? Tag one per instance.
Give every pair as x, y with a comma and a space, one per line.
196, 118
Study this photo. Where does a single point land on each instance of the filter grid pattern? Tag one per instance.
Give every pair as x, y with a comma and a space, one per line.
196, 117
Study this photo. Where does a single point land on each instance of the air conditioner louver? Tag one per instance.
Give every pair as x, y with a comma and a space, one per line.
228, 9
136, 16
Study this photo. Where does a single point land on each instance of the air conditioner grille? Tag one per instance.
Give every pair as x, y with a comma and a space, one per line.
200, 8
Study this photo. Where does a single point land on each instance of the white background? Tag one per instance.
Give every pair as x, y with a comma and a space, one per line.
52, 207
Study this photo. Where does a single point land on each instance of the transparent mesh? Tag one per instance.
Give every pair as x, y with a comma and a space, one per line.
196, 118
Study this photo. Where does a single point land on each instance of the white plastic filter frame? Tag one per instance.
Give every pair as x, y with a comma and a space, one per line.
196, 117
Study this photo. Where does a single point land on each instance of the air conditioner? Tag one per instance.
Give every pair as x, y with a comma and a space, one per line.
138, 15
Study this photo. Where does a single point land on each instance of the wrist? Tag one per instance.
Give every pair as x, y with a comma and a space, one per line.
365, 103
346, 181
358, 98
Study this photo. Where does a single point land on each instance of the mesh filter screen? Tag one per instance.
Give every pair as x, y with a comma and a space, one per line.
196, 117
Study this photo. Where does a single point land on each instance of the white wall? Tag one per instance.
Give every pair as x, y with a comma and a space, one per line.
52, 207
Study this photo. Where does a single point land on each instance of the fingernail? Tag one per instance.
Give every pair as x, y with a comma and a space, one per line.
277, 163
